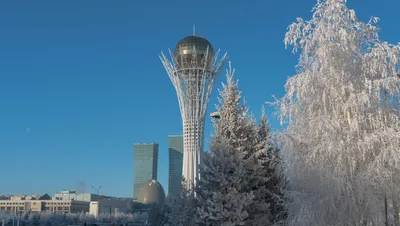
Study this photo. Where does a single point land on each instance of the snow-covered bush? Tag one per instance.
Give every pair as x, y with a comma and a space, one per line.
55, 219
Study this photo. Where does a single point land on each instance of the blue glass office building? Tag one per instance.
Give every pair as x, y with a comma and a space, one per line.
145, 161
175, 149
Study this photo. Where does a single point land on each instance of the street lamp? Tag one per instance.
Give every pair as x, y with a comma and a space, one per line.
215, 115
97, 189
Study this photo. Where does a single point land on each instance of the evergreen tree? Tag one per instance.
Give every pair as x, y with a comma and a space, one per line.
250, 144
156, 215
238, 127
275, 169
219, 193
267, 176
234, 125
179, 210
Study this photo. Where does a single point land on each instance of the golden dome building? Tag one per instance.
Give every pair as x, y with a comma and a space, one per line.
151, 193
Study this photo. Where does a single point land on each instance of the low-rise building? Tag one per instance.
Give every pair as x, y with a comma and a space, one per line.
72, 195
66, 206
36, 206
24, 197
21, 206
111, 206
17, 197
65, 201
33, 206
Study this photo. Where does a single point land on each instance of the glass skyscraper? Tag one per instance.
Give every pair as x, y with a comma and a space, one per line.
144, 165
175, 149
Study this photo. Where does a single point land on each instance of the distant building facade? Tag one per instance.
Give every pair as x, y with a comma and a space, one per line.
175, 151
22, 197
72, 195
66, 201
110, 207
36, 206
67, 206
145, 164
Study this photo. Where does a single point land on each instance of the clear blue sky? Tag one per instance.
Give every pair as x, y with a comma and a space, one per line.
81, 81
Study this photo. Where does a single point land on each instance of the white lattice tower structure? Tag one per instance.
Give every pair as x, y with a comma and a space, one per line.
193, 70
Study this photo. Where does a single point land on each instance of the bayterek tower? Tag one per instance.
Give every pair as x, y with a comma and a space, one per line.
193, 69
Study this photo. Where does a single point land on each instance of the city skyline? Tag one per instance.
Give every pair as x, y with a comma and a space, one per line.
81, 81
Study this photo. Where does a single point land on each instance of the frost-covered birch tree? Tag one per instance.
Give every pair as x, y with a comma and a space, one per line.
341, 143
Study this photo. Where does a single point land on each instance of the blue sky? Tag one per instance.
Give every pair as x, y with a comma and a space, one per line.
81, 81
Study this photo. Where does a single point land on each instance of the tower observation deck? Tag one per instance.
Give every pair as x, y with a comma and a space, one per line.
193, 68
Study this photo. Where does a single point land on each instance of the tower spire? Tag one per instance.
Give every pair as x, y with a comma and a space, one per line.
193, 87
194, 29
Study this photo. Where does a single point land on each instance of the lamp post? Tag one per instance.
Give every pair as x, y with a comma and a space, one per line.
215, 115
97, 189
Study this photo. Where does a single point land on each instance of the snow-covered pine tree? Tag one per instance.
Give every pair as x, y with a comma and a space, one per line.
179, 210
270, 178
235, 125
341, 143
259, 174
157, 215
220, 199
240, 130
